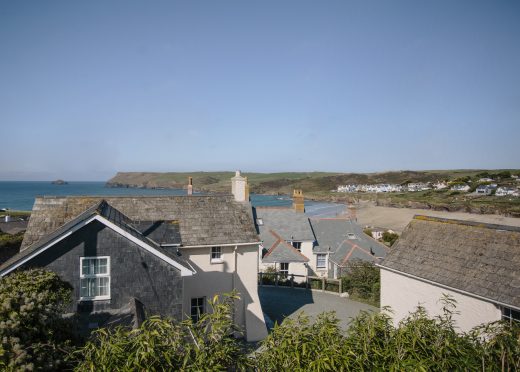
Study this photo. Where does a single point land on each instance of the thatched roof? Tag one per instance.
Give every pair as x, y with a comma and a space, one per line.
481, 259
203, 220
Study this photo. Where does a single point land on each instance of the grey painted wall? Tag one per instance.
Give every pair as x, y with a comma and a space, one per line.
134, 272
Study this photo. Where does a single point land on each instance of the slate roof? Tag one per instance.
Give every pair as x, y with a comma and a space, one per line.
482, 259
101, 208
281, 251
203, 220
332, 236
161, 232
288, 223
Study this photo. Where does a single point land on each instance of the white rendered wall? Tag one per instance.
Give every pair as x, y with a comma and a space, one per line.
213, 278
403, 294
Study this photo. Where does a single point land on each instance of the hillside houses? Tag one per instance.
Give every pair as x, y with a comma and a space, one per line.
371, 188
507, 191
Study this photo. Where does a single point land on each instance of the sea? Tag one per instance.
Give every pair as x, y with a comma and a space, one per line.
20, 195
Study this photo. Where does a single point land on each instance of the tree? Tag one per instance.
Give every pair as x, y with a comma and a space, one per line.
33, 333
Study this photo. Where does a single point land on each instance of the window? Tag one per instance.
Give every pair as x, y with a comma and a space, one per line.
351, 236
95, 278
510, 315
197, 308
216, 254
260, 222
321, 260
284, 269
297, 245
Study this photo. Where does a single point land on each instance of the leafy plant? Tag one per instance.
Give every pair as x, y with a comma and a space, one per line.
33, 333
164, 344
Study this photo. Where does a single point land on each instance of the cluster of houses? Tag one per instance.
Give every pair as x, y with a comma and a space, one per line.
385, 187
486, 187
296, 245
168, 255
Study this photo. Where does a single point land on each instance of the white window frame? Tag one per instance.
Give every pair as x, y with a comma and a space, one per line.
199, 313
211, 252
318, 255
284, 272
94, 276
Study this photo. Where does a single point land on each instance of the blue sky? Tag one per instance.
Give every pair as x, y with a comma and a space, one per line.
90, 88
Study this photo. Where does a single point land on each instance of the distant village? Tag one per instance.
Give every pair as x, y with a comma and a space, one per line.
505, 186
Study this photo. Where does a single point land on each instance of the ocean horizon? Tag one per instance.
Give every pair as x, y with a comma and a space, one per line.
20, 195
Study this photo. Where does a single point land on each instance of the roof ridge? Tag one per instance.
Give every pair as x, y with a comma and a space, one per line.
484, 225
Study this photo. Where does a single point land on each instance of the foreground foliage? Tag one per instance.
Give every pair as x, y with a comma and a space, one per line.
33, 334
419, 343
162, 344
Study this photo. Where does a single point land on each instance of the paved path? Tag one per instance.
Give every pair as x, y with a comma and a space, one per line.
279, 303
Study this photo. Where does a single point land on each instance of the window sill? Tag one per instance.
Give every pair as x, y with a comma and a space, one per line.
100, 298
215, 261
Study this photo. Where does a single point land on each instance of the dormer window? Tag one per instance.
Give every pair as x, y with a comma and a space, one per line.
351, 236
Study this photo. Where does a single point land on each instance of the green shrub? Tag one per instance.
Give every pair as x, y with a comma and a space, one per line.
301, 345
390, 238
33, 334
361, 280
163, 344
373, 343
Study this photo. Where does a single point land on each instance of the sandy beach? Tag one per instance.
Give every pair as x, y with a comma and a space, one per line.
397, 218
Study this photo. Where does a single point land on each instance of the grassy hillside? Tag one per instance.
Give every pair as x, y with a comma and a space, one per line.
319, 186
281, 183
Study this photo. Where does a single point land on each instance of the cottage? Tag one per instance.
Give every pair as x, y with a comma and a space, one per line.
477, 264
486, 189
295, 245
170, 253
341, 241
287, 238
460, 188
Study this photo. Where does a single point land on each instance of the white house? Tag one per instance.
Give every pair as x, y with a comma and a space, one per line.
505, 191
475, 263
460, 187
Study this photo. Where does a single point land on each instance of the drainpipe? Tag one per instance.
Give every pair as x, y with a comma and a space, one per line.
233, 282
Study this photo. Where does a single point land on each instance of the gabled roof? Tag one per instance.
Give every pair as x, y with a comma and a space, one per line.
281, 251
476, 258
203, 220
332, 235
110, 217
288, 223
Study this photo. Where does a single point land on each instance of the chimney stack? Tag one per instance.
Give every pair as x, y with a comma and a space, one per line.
298, 201
190, 186
239, 187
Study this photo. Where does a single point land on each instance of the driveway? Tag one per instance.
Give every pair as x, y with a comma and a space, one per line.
279, 303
